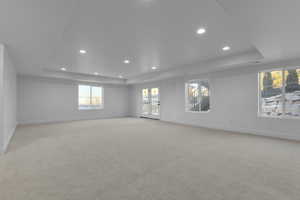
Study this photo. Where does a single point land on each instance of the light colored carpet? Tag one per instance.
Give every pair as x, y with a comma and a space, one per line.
139, 159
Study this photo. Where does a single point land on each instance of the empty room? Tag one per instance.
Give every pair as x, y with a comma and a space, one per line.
149, 100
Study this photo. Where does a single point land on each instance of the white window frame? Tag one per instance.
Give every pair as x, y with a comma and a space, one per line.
91, 107
259, 114
151, 115
186, 96
149, 102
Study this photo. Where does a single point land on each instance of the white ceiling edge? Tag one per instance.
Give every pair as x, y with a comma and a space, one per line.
238, 60
179, 72
275, 64
96, 79
76, 80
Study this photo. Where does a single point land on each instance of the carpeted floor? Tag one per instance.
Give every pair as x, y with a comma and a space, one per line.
139, 159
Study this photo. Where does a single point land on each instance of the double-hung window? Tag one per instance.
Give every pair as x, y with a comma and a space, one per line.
197, 98
279, 92
90, 97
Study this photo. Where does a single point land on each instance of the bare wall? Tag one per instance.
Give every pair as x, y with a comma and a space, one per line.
1, 99
43, 100
234, 104
8, 96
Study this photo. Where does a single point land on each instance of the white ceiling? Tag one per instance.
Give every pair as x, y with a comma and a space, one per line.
273, 26
44, 35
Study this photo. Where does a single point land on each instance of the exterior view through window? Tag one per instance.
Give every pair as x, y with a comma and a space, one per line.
280, 93
146, 102
90, 97
150, 101
197, 96
155, 101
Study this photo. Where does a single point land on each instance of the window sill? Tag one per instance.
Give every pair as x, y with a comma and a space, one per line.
197, 112
90, 108
277, 117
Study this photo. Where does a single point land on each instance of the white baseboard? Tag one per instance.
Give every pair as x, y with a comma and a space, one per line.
265, 133
7, 140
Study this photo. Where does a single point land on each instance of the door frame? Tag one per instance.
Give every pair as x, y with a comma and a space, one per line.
151, 116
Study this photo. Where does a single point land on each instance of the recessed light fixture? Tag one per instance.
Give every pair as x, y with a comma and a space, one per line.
82, 51
201, 31
63, 69
120, 76
226, 48
96, 73
154, 68
126, 61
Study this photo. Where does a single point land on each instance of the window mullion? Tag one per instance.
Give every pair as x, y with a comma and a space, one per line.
91, 96
199, 96
283, 92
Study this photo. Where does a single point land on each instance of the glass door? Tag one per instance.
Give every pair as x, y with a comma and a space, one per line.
155, 103
151, 103
146, 102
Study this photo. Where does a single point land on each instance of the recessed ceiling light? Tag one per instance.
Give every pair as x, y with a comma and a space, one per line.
126, 61
226, 48
120, 76
96, 73
154, 68
63, 69
201, 31
82, 51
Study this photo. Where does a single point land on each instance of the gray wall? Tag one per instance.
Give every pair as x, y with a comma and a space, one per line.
234, 104
51, 100
8, 98
1, 99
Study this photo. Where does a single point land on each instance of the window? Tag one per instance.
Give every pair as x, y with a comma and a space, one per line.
197, 96
90, 97
280, 93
